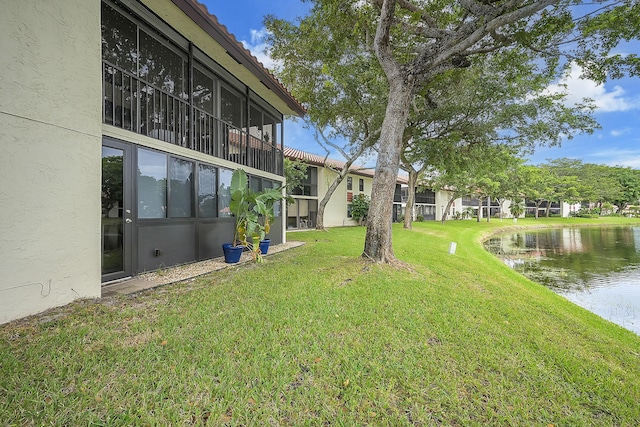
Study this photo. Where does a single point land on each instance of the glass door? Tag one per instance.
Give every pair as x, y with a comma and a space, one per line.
117, 218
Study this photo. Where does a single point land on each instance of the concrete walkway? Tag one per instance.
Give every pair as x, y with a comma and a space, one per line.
180, 273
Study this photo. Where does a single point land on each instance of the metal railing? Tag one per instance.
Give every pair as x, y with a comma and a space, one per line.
135, 105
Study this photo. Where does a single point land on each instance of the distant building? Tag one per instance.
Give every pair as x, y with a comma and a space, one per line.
320, 174
561, 209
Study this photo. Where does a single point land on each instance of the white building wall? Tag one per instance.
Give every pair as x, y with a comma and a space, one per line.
442, 199
566, 209
50, 135
335, 214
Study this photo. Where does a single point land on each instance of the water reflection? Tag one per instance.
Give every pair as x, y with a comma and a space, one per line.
597, 268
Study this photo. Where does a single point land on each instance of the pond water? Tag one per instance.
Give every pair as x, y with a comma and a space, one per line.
596, 268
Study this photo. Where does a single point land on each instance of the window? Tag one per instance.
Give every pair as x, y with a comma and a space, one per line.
349, 183
268, 184
166, 187
119, 40
180, 188
119, 52
163, 72
349, 209
255, 122
398, 194
207, 199
361, 185
161, 66
152, 184
277, 206
255, 183
425, 196
224, 193
277, 209
232, 107
204, 93
269, 130
302, 213
469, 201
308, 186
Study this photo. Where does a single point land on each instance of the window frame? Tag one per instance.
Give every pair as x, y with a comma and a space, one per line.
171, 204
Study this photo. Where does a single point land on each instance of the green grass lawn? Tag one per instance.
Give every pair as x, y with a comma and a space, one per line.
318, 336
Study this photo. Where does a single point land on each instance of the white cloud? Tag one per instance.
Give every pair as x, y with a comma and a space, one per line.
257, 47
621, 132
618, 157
604, 99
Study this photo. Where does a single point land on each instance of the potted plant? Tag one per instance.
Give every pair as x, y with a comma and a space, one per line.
253, 213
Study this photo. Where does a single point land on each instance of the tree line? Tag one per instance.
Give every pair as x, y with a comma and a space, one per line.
597, 188
439, 87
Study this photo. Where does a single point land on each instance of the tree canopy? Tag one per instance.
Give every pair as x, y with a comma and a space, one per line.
575, 182
367, 64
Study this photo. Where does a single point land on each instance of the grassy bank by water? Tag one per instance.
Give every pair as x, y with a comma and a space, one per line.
318, 336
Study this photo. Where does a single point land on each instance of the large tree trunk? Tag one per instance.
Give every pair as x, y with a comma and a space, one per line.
479, 216
320, 214
378, 241
408, 212
445, 213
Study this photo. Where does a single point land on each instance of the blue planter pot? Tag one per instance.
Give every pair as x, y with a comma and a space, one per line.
264, 246
232, 253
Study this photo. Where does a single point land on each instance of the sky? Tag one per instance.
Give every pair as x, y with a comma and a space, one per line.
616, 143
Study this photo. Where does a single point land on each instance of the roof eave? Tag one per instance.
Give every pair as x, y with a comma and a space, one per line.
241, 55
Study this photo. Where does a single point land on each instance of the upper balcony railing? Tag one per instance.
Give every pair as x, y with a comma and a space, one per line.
133, 104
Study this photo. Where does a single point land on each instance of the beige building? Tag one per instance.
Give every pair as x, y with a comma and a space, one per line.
120, 125
321, 173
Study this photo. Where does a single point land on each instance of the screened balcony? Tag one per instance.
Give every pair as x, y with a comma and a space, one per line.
155, 88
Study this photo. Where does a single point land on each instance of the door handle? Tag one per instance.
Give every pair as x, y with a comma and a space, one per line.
128, 221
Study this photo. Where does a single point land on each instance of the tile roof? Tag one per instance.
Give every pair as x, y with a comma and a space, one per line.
317, 160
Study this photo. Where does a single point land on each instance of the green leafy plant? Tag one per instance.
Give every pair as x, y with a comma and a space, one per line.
360, 208
253, 212
468, 212
517, 208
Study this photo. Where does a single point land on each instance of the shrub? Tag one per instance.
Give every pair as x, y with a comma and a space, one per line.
360, 208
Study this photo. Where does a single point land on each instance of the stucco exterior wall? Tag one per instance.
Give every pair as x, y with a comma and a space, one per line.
50, 132
335, 214
442, 198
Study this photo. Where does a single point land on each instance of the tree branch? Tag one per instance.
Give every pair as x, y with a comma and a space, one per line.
382, 42
426, 18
